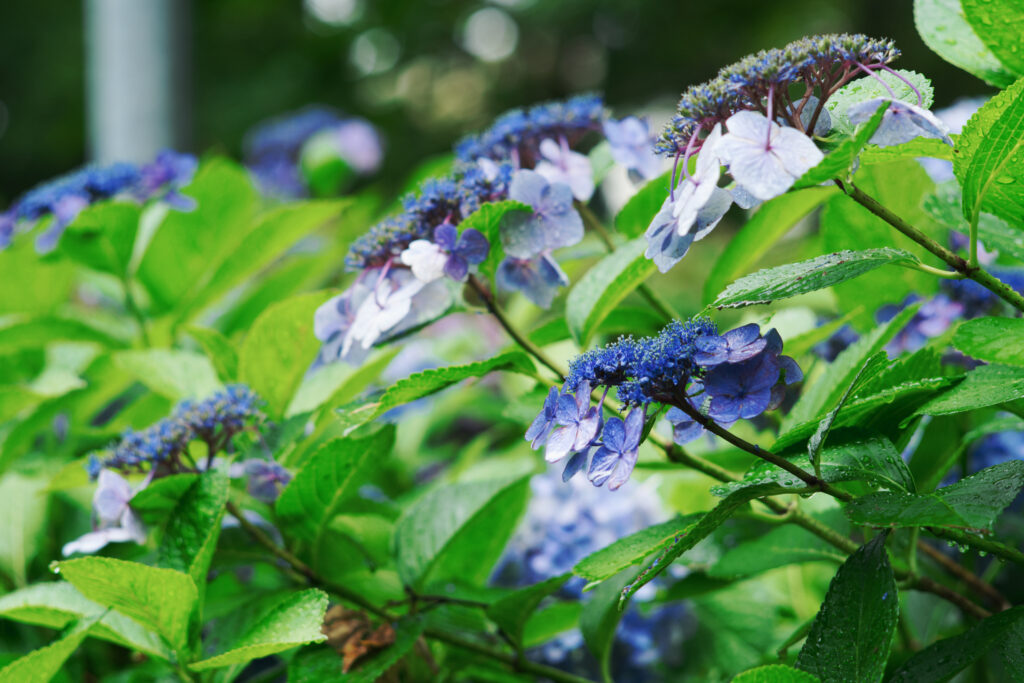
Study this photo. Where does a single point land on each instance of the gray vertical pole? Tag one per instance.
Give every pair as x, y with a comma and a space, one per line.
137, 88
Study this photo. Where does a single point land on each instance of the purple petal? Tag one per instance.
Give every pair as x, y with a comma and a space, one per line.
741, 336
602, 465
560, 443
576, 463
444, 236
527, 187
623, 468
634, 428
614, 435
473, 246
566, 411
791, 369
456, 268
589, 426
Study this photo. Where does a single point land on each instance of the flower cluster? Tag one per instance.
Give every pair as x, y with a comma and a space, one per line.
689, 366
753, 120
764, 81
516, 135
159, 447
563, 525
274, 149
65, 197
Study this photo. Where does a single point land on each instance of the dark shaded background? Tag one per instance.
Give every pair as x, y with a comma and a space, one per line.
256, 58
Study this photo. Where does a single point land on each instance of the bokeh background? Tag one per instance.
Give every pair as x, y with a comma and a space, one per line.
424, 71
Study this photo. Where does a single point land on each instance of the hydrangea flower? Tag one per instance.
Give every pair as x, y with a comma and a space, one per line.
271, 149
742, 372
559, 164
62, 199
538, 278
741, 390
734, 346
554, 222
578, 424
265, 479
764, 157
114, 520
901, 122
158, 448
631, 146
449, 254
615, 459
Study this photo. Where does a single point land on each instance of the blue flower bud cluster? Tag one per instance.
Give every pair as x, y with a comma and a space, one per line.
439, 201
65, 197
214, 421
563, 525
688, 366
517, 134
820, 63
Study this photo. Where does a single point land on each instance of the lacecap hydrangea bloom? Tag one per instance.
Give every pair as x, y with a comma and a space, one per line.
758, 118
163, 449
56, 203
409, 264
273, 150
563, 525
688, 366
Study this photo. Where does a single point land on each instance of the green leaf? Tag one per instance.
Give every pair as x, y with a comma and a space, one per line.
873, 460
986, 339
156, 501
794, 279
987, 159
428, 382
39, 666
188, 245
972, 503
512, 612
999, 24
600, 617
915, 149
775, 673
635, 217
51, 280
434, 525
772, 220
57, 604
851, 636
694, 534
161, 600
984, 386
102, 236
846, 225
37, 332
840, 162
632, 549
945, 30
175, 374
826, 390
323, 665
24, 505
219, 350
604, 286
780, 547
869, 88
873, 365
333, 474
942, 660
279, 349
488, 219
190, 537
273, 234
294, 621
945, 206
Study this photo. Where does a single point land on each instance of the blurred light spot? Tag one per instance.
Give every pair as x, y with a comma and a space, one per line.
335, 12
374, 51
583, 64
514, 4
490, 34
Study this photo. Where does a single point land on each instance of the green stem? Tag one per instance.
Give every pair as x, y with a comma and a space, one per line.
973, 252
355, 598
135, 310
932, 270
983, 544
967, 269
591, 221
522, 340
